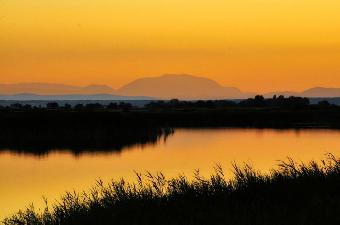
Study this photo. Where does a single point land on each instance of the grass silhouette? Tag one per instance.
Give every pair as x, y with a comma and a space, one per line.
291, 194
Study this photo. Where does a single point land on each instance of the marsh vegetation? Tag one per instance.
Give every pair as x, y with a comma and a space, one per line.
290, 194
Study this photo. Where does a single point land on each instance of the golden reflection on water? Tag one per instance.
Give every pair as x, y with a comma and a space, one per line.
26, 178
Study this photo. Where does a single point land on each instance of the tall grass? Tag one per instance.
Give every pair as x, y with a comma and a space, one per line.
291, 194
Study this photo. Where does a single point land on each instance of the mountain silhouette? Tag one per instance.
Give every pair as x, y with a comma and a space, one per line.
315, 92
322, 92
181, 86
168, 86
71, 97
53, 89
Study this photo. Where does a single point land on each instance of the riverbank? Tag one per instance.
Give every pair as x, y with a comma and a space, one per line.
39, 130
226, 116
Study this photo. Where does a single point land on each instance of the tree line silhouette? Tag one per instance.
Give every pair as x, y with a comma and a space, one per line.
113, 126
257, 101
56, 105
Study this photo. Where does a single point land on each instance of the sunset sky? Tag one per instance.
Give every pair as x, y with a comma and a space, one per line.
256, 45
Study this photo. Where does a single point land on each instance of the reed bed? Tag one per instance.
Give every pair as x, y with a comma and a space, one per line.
292, 193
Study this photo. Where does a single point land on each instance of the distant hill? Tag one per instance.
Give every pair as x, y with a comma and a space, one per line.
53, 89
168, 86
322, 92
316, 92
180, 86
76, 97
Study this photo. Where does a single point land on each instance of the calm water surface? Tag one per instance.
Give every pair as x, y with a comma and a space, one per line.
25, 178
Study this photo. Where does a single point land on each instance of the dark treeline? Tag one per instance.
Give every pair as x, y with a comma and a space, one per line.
56, 106
280, 101
257, 101
114, 126
258, 112
306, 194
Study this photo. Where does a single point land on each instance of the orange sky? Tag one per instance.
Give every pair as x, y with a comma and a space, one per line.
256, 45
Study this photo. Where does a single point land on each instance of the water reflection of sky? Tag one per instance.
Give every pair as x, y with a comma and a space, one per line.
24, 178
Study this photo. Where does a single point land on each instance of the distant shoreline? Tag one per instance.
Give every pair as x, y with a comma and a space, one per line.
38, 130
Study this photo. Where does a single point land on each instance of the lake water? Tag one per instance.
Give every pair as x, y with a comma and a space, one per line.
25, 178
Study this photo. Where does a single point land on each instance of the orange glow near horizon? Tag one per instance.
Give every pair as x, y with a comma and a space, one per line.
256, 45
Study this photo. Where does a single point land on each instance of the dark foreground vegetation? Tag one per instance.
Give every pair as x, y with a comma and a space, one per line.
116, 125
292, 194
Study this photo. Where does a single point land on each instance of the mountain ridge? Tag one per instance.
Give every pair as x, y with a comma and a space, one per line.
53, 89
167, 86
181, 86
71, 97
